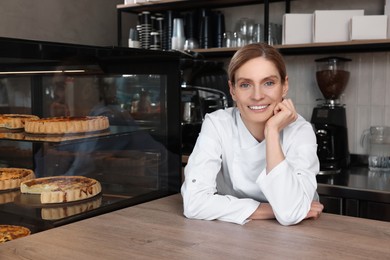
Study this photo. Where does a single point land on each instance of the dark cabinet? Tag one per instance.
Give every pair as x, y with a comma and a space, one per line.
356, 208
374, 210
332, 204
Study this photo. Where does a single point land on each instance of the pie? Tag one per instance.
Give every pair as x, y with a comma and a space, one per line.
15, 121
11, 232
11, 178
59, 189
66, 125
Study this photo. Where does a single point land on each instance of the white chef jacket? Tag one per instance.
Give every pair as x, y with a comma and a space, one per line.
226, 179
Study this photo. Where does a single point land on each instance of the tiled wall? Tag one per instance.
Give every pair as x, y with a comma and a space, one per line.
367, 95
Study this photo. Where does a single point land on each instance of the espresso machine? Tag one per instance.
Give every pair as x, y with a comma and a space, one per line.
329, 117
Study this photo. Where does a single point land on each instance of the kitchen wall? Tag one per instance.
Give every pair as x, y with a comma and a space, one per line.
91, 22
367, 96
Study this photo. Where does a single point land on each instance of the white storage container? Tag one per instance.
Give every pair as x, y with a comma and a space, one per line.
297, 28
368, 27
333, 25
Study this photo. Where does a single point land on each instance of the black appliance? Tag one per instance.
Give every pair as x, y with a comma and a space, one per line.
204, 89
329, 118
196, 103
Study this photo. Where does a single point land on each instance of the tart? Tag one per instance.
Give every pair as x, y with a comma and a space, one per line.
66, 125
15, 121
11, 232
59, 189
11, 178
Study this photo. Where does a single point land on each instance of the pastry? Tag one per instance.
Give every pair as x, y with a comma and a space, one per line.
11, 178
66, 125
11, 232
59, 189
15, 121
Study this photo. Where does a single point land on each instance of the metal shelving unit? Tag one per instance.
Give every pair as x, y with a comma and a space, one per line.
180, 5
296, 49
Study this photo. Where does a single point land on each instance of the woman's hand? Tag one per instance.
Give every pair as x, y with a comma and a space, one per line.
284, 114
264, 211
315, 210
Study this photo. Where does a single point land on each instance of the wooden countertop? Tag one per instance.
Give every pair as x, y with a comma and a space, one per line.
158, 230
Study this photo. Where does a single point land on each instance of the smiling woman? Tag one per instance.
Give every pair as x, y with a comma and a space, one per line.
256, 160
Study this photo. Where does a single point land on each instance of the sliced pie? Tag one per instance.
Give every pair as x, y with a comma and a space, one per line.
11, 178
11, 232
15, 121
59, 189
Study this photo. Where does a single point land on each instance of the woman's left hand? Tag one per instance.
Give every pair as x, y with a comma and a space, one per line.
284, 114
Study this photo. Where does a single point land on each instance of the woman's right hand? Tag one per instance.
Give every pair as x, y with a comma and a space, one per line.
315, 210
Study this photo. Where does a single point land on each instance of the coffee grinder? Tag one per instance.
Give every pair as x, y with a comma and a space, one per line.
329, 117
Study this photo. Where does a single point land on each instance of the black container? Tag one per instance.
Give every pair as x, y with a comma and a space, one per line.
219, 29
205, 38
191, 25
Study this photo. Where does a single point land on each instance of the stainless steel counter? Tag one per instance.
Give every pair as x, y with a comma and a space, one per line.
357, 183
357, 192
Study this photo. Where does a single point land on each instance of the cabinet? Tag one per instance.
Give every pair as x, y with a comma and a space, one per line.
136, 160
356, 208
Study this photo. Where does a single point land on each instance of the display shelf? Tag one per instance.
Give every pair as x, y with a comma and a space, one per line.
312, 48
113, 131
182, 5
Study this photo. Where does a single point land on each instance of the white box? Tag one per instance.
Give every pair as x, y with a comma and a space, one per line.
387, 12
368, 27
333, 25
297, 28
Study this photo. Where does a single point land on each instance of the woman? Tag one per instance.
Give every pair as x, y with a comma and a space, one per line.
256, 160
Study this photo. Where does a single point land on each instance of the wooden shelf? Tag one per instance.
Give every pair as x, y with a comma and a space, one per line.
312, 48
164, 5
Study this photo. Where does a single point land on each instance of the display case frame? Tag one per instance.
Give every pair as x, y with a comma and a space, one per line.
37, 60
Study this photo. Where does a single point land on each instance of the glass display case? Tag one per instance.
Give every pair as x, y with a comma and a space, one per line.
136, 159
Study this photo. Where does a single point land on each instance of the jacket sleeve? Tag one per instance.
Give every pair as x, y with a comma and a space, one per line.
291, 186
199, 190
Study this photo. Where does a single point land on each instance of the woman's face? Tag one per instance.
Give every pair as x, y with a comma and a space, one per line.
257, 90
